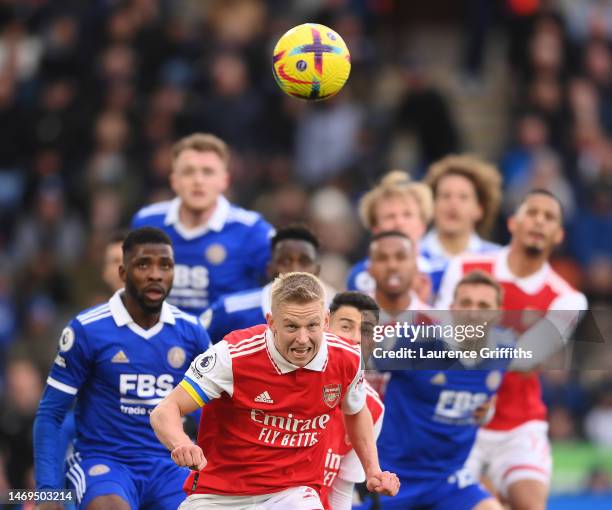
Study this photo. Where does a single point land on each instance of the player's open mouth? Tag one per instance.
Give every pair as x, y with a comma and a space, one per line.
300, 352
154, 293
394, 280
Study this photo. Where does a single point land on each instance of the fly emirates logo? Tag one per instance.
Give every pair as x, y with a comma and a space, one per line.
287, 430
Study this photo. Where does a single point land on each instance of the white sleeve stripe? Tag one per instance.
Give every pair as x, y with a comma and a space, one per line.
71, 390
96, 318
338, 341
348, 349
233, 349
247, 340
244, 353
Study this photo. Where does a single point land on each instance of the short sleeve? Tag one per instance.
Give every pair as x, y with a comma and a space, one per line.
210, 375
73, 360
564, 311
355, 397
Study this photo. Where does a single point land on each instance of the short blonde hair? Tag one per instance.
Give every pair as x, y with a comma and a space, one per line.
201, 142
396, 183
298, 288
484, 176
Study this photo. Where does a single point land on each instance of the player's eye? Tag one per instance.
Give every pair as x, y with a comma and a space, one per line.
291, 327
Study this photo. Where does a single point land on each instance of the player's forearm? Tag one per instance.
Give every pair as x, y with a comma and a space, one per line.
167, 423
360, 430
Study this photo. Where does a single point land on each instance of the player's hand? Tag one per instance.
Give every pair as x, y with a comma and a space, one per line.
484, 412
189, 455
383, 482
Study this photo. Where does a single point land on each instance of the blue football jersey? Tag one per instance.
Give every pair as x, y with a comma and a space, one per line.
228, 254
359, 278
432, 250
429, 429
239, 310
119, 372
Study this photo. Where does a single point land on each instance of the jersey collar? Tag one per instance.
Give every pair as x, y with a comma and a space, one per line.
216, 222
529, 284
282, 366
122, 317
431, 243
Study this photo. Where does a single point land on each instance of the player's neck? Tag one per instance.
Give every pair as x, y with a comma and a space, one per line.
191, 218
394, 305
522, 265
454, 243
144, 319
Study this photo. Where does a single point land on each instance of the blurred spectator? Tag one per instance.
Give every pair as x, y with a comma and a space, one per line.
424, 111
598, 422
24, 389
543, 172
51, 229
326, 140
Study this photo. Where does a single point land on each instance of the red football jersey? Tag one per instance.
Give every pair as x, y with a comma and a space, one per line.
267, 425
519, 398
341, 460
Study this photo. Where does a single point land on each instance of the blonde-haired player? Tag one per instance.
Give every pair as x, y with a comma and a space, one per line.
273, 390
400, 204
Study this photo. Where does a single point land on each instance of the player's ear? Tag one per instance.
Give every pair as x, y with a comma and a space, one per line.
326, 320
511, 224
122, 272
559, 236
270, 321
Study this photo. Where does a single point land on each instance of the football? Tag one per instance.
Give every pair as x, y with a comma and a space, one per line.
311, 62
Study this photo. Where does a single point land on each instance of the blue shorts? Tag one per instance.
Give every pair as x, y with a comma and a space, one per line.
459, 491
153, 484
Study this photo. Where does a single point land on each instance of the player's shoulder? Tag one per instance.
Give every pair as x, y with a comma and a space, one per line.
244, 338
488, 246
182, 318
93, 315
154, 212
236, 215
241, 301
563, 288
361, 265
341, 346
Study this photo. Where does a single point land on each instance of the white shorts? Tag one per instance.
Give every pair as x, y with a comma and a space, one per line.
507, 456
296, 498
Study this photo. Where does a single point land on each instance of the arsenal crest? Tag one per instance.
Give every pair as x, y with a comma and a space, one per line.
331, 394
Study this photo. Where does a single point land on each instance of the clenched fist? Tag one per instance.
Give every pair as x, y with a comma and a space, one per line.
189, 455
383, 482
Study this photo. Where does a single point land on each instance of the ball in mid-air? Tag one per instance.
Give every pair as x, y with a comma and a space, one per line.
311, 62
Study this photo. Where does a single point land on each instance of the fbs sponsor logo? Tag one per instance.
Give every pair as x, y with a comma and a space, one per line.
120, 357
264, 398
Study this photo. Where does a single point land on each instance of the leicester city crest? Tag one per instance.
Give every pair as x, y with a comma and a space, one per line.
216, 253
